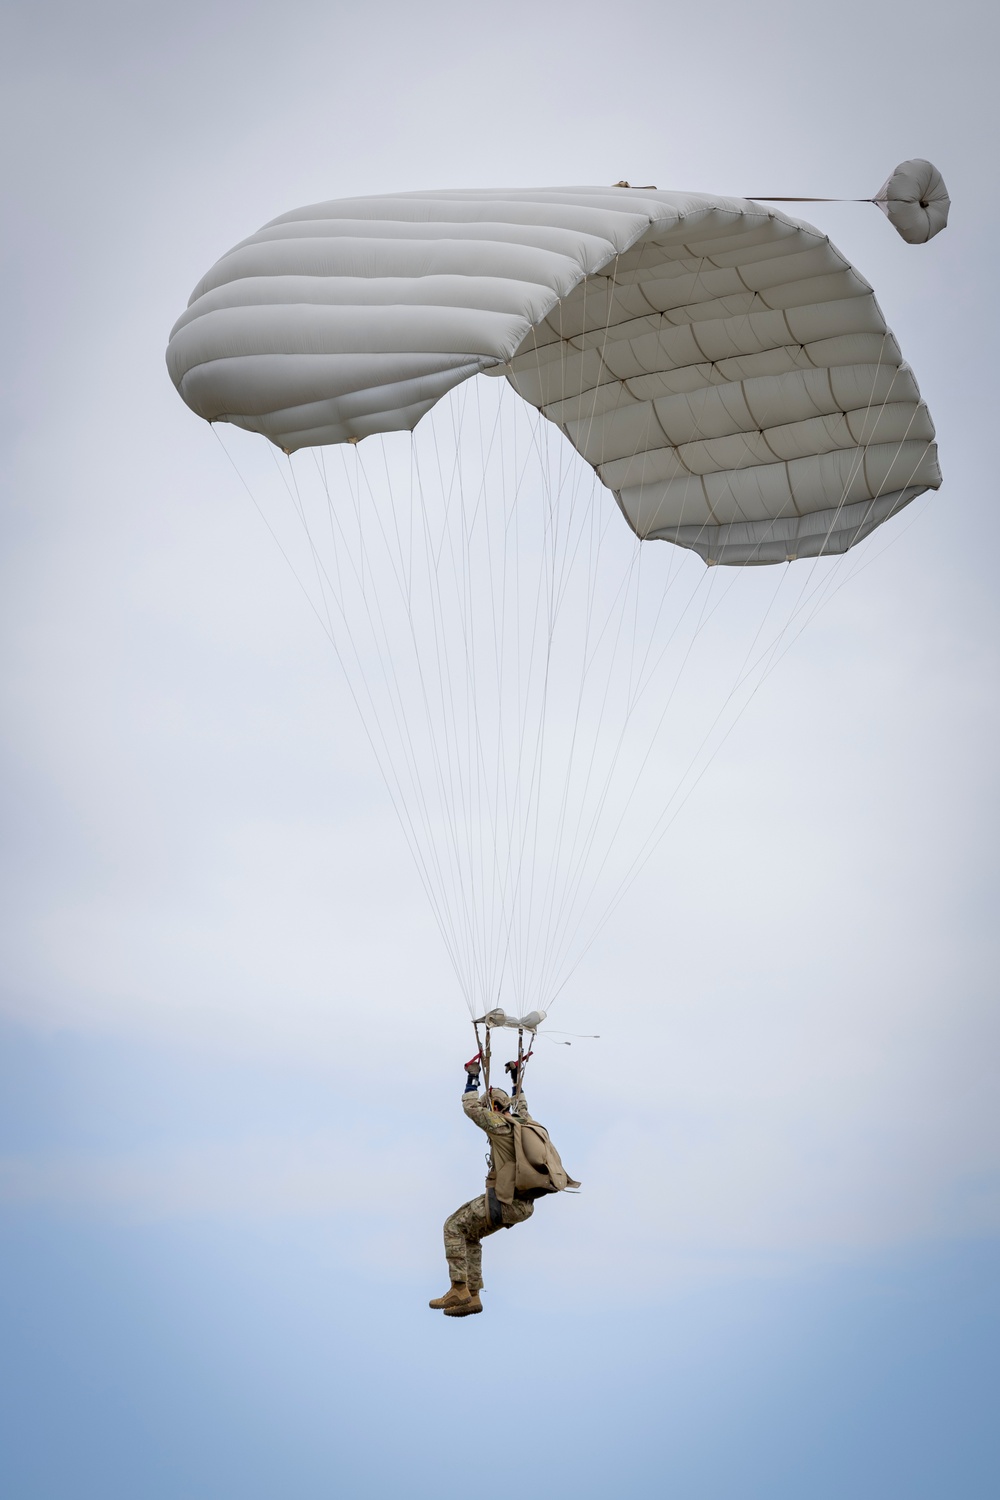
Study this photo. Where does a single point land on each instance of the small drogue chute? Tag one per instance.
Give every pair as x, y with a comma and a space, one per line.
915, 201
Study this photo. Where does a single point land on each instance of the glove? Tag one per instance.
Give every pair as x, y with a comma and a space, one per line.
472, 1068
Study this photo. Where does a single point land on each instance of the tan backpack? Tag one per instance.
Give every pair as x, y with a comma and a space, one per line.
537, 1165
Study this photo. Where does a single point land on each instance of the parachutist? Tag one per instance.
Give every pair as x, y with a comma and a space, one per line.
765, 415
524, 1166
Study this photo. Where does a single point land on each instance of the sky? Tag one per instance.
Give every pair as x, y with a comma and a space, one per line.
230, 1039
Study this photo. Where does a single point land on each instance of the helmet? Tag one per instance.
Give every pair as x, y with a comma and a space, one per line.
499, 1099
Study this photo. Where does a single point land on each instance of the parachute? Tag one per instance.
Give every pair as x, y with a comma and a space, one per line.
716, 365
915, 201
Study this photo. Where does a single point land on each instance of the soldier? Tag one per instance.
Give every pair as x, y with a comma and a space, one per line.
524, 1165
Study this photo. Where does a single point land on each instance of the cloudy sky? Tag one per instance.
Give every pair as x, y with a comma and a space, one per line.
230, 1039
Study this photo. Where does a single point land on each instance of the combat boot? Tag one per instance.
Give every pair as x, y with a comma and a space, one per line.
470, 1304
457, 1292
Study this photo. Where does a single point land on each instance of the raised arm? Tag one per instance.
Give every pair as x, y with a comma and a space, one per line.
478, 1108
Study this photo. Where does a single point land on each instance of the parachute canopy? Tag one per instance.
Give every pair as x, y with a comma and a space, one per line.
724, 369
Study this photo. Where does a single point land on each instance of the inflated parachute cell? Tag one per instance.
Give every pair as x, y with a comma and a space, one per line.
725, 370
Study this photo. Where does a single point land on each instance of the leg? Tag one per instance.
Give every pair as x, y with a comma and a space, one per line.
478, 1227
517, 1212
463, 1231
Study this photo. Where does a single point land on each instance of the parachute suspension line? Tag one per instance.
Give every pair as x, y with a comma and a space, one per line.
807, 590
446, 693
557, 580
479, 1044
404, 580
472, 737
554, 577
466, 610
825, 591
533, 800
632, 699
548, 900
557, 576
856, 465
523, 673
513, 795
482, 809
274, 535
384, 763
505, 909
521, 806
827, 584
506, 919
918, 512
593, 560
548, 904
577, 855
520, 1065
593, 827
389, 670
386, 659
554, 593
486, 781
506, 922
470, 688
385, 758
292, 490
447, 747
736, 684
768, 665
533, 663
768, 660
499, 782
635, 677
477, 771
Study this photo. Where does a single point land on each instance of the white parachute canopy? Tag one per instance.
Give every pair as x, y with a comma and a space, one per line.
724, 369
533, 678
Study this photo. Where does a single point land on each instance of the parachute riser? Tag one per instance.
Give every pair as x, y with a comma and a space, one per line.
484, 1051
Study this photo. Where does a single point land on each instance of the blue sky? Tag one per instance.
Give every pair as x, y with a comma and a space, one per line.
230, 1353
229, 1038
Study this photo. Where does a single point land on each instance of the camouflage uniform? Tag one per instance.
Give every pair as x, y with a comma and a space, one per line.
469, 1225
